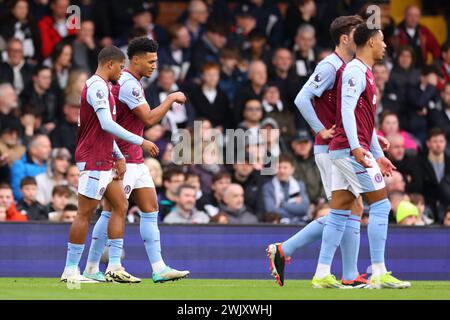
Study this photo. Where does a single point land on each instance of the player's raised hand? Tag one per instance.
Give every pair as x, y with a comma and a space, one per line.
150, 147
362, 156
384, 143
177, 97
386, 166
327, 133
121, 167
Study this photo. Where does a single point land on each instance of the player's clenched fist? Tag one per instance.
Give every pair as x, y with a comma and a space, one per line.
120, 166
150, 147
177, 97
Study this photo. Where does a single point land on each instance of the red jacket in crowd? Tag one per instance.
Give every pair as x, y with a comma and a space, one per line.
49, 35
13, 215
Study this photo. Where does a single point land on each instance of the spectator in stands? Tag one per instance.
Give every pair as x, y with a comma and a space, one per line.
144, 17
285, 195
8, 106
10, 147
234, 208
304, 54
420, 38
403, 75
53, 27
221, 218
69, 213
19, 23
179, 116
395, 183
208, 47
386, 93
446, 222
435, 168
197, 17
85, 48
395, 197
389, 125
58, 164
445, 67
419, 201
258, 49
231, 77
406, 164
31, 121
61, 63
299, 12
251, 181
254, 89
276, 108
72, 182
172, 179
155, 171
28, 205
420, 100
60, 198
7, 201
65, 132
440, 117
177, 54
407, 214
305, 166
252, 117
185, 211
209, 101
245, 24
31, 164
193, 180
40, 94
16, 70
285, 77
210, 202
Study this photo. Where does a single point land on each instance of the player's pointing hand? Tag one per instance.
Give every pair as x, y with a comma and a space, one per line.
178, 97
150, 147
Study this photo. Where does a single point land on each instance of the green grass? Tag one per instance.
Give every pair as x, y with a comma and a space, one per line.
193, 289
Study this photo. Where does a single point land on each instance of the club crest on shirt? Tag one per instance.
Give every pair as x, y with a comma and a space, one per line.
127, 189
100, 94
352, 82
135, 92
102, 191
378, 178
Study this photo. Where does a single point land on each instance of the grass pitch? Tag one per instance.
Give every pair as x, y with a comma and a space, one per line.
205, 289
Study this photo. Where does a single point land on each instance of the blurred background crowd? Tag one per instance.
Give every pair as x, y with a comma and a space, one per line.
241, 64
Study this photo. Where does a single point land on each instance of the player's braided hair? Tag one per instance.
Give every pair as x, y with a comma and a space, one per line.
141, 45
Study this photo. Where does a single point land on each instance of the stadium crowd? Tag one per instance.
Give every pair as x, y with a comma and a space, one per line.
241, 65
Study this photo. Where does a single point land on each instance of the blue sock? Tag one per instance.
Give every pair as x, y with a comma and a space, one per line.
115, 252
98, 242
332, 235
310, 233
350, 247
150, 234
74, 252
377, 229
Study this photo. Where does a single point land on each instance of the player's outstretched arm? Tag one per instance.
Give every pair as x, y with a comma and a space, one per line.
151, 117
322, 79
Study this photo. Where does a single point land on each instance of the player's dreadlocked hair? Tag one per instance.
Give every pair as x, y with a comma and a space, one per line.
363, 33
141, 45
343, 25
110, 53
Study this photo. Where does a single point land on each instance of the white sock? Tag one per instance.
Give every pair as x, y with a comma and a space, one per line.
113, 266
158, 266
92, 267
322, 271
378, 269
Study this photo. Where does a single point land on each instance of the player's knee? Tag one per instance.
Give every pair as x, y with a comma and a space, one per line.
382, 206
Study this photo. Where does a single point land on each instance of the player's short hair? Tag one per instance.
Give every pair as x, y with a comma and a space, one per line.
343, 26
434, 132
173, 171
210, 66
61, 191
363, 33
182, 187
286, 158
28, 181
110, 53
141, 45
221, 175
70, 207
